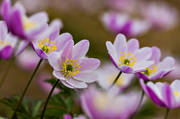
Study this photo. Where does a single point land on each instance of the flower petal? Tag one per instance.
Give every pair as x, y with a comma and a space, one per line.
133, 45
58, 75
3, 30
54, 60
76, 84
87, 77
80, 49
156, 54
89, 64
143, 54
40, 17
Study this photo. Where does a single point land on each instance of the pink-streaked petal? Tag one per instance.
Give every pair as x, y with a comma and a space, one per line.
88, 77
120, 44
55, 26
126, 69
141, 66
54, 60
111, 51
66, 84
132, 45
67, 116
80, 49
5, 9
62, 40
3, 30
20, 7
143, 54
58, 75
67, 51
41, 54
167, 63
76, 84
40, 17
156, 54
6, 52
23, 44
89, 64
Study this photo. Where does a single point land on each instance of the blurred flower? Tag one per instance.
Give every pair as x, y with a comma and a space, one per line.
176, 72
71, 66
163, 94
127, 57
8, 43
45, 85
50, 40
19, 24
122, 5
28, 60
160, 15
108, 73
158, 69
108, 105
67, 116
122, 23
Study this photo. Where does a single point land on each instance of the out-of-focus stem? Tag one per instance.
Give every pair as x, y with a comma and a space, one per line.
115, 80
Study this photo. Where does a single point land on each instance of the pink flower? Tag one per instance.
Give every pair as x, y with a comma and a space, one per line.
163, 94
127, 56
108, 73
160, 15
159, 69
72, 67
122, 23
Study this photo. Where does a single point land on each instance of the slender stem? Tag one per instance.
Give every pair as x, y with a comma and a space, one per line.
47, 100
167, 112
139, 105
25, 90
116, 79
6, 72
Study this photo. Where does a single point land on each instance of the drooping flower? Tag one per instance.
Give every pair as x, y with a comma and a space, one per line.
159, 69
163, 94
160, 15
108, 105
127, 57
27, 60
45, 85
8, 43
72, 67
108, 73
122, 23
19, 24
50, 41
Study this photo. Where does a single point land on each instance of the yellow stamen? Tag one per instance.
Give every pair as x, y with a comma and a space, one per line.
4, 43
27, 24
151, 70
127, 59
47, 46
176, 93
70, 68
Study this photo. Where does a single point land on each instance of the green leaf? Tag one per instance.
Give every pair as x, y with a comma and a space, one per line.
36, 108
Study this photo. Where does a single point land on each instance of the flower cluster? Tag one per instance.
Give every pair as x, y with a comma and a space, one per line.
73, 70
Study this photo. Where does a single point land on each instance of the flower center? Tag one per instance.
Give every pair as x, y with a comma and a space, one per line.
4, 43
151, 70
176, 93
70, 68
27, 24
47, 46
127, 59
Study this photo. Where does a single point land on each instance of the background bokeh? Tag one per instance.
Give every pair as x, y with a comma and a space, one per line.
82, 19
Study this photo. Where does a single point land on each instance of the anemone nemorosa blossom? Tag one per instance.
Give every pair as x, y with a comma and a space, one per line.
122, 23
108, 73
159, 69
108, 105
50, 41
160, 15
127, 57
163, 94
72, 67
8, 43
19, 24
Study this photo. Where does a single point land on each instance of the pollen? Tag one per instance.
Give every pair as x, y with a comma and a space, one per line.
176, 93
127, 59
70, 68
151, 70
47, 46
27, 24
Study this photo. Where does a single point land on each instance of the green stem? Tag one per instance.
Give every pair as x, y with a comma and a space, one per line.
47, 100
167, 112
139, 105
6, 72
25, 90
115, 80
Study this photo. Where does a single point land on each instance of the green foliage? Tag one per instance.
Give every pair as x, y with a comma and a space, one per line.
59, 104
